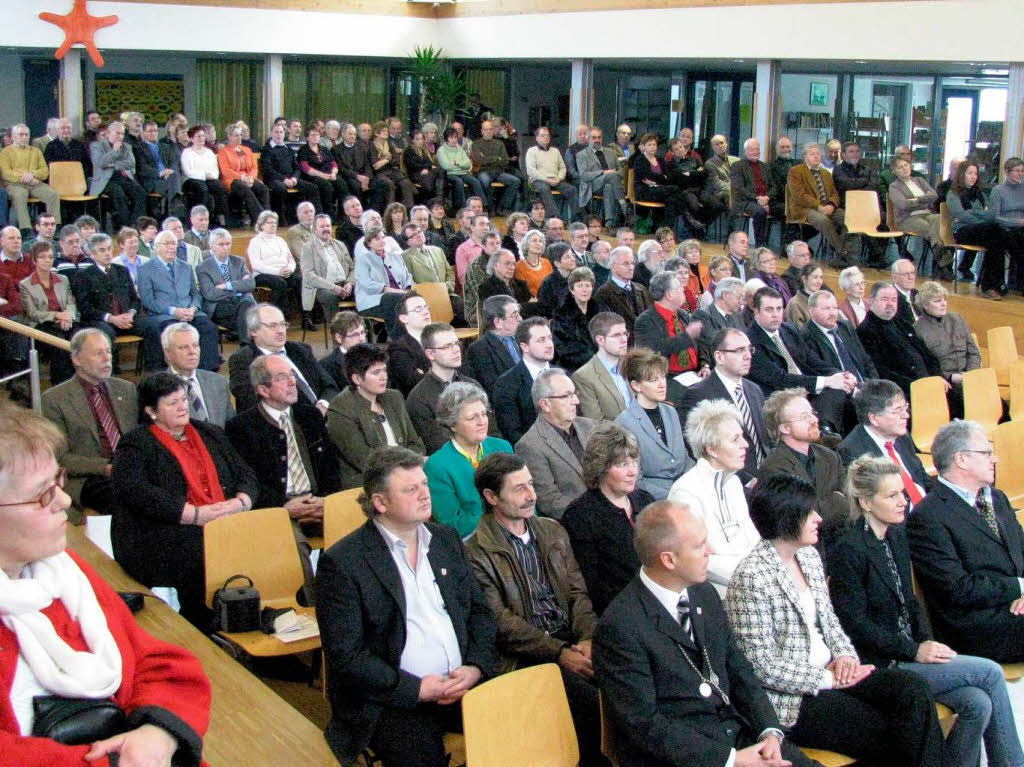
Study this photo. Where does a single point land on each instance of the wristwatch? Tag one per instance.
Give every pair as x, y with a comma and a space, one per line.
779, 734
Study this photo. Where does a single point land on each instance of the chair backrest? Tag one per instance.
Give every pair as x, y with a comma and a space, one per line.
630, 184
258, 543
890, 216
1002, 352
608, 746
1016, 376
436, 296
67, 178
342, 515
930, 408
862, 211
1008, 442
547, 740
981, 398
945, 225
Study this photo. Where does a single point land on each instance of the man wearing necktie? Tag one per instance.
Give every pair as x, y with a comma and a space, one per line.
207, 391
811, 196
226, 284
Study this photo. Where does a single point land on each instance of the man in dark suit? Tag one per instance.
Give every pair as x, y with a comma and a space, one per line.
798, 253
783, 361
726, 311
511, 398
226, 284
897, 351
407, 360
620, 294
705, 708
106, 299
280, 170
883, 414
207, 391
666, 327
168, 290
968, 550
793, 425
832, 341
904, 275
157, 168
64, 148
268, 334
732, 353
406, 630
347, 330
753, 194
496, 351
353, 158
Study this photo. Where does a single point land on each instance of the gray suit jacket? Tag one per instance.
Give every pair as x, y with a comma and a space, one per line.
589, 168
209, 275
661, 464
66, 405
313, 263
599, 396
159, 294
106, 161
557, 475
216, 397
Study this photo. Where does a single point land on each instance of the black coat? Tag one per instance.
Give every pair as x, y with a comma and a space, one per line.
571, 330
659, 717
95, 290
898, 352
866, 598
602, 542
552, 292
711, 322
858, 442
278, 163
904, 310
512, 402
353, 161
967, 575
825, 354
627, 304
361, 611
488, 358
493, 286
323, 386
768, 366
407, 363
349, 234
262, 445
73, 151
334, 365
650, 331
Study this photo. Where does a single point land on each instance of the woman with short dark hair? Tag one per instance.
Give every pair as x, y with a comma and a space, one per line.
571, 324
782, 620
319, 168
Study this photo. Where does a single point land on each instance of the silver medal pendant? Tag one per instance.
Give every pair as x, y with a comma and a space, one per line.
705, 689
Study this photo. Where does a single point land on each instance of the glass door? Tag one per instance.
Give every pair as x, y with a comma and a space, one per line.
720, 105
956, 125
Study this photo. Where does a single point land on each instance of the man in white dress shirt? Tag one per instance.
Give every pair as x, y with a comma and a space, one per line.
207, 391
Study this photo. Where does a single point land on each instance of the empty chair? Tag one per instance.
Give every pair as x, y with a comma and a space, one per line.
1002, 352
863, 216
1017, 390
440, 303
1008, 442
981, 398
342, 515
930, 409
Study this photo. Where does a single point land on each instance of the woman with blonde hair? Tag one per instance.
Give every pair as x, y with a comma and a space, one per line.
532, 268
386, 159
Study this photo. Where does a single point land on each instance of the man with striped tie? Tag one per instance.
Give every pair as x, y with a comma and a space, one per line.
207, 391
226, 284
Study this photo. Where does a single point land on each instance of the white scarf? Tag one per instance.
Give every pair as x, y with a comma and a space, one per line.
58, 668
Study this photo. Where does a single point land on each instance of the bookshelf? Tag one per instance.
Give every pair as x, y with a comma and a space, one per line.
872, 134
921, 138
803, 127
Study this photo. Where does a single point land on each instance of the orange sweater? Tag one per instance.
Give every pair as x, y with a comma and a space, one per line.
234, 163
533, 277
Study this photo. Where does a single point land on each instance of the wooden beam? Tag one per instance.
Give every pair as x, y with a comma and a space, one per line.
470, 8
372, 7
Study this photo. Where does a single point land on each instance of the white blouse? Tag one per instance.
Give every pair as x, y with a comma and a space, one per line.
199, 165
269, 255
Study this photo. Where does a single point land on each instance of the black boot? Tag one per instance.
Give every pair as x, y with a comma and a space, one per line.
307, 322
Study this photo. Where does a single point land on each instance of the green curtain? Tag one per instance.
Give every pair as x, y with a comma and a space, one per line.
491, 85
227, 91
348, 92
295, 83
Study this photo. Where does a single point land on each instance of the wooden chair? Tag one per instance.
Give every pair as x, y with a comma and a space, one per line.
260, 545
342, 515
1016, 374
540, 741
901, 243
131, 340
68, 180
1008, 443
982, 349
981, 399
1002, 352
930, 408
947, 239
608, 747
440, 303
631, 194
863, 216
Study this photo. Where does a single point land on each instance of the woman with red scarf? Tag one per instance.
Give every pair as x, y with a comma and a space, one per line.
171, 476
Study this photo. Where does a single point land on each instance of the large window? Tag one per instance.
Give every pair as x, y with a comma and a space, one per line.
339, 91
227, 91
891, 111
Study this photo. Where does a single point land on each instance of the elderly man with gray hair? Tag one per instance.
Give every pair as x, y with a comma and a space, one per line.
207, 391
968, 549
667, 328
726, 311
226, 284
23, 171
113, 174
621, 294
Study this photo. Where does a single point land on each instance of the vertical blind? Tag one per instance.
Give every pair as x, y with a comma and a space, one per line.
228, 91
295, 84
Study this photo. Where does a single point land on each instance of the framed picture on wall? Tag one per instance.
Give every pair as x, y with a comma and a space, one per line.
819, 95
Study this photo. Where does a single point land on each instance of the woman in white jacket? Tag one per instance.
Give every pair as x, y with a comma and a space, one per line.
202, 176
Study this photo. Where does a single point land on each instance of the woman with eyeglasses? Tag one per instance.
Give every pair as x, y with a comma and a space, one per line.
238, 171
600, 522
571, 324
719, 268
368, 414
67, 636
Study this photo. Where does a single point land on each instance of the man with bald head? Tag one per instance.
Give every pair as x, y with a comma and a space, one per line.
678, 689
752, 193
621, 294
65, 148
24, 171
13, 262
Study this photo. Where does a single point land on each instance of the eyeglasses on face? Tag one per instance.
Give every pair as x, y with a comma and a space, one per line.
275, 325
46, 497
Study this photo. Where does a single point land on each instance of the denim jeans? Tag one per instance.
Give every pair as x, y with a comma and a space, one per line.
975, 689
508, 196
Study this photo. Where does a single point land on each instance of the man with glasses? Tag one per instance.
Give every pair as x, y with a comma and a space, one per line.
904, 277
268, 334
496, 350
793, 425
726, 311
621, 294
444, 353
407, 361
602, 388
732, 352
883, 413
623, 146
968, 550
553, 446
347, 330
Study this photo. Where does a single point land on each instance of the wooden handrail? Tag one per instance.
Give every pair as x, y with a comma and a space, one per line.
38, 335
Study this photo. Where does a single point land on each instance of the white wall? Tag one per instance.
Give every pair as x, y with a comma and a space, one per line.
796, 93
12, 105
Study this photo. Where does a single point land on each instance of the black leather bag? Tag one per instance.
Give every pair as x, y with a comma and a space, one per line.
236, 608
76, 721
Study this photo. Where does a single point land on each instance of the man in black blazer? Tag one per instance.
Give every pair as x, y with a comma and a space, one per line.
782, 361
753, 193
883, 414
904, 275
511, 398
968, 550
268, 334
397, 668
832, 341
496, 350
732, 351
898, 352
621, 294
725, 312
347, 330
107, 300
678, 690
407, 360
651, 329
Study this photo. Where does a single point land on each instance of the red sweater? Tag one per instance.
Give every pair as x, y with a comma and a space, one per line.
154, 674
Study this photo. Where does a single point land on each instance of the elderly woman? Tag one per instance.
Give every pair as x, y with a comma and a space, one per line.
171, 476
719, 268
202, 184
650, 259
367, 414
328, 272
812, 276
238, 172
532, 267
881, 614
456, 164
422, 166
700, 276
386, 159
762, 264
853, 306
600, 522
129, 257
712, 488
517, 226
462, 409
654, 423
571, 324
975, 224
912, 199
319, 168
47, 304
502, 280
782, 620
382, 279
67, 635
946, 334
273, 264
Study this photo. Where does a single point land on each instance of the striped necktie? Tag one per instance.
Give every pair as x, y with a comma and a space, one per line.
298, 479
684, 615
748, 422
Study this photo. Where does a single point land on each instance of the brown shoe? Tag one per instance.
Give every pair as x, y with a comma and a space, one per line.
993, 294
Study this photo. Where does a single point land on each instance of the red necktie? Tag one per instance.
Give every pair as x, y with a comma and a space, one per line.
107, 420
908, 483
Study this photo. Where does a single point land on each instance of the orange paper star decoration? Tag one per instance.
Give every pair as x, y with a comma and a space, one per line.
79, 27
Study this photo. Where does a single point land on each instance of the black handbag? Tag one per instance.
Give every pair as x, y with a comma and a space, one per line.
236, 608
76, 721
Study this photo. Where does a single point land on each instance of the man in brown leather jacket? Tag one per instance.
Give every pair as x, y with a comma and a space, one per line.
532, 583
